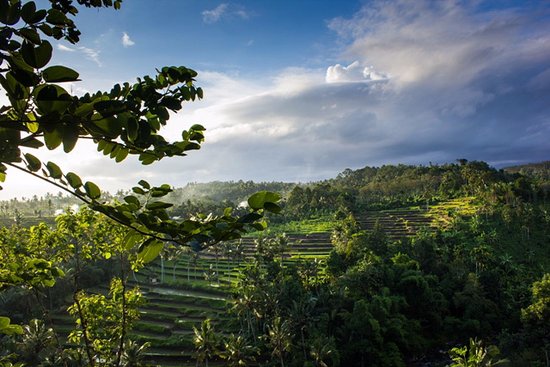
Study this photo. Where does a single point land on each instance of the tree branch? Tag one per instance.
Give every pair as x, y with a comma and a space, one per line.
91, 203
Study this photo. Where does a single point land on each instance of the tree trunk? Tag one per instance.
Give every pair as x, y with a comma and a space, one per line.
303, 343
174, 271
161, 270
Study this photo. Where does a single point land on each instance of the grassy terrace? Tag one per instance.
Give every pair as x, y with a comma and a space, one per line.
184, 298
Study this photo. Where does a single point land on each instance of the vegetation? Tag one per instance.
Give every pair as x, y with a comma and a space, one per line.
122, 122
381, 266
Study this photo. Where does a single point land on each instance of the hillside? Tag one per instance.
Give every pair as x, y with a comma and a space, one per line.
360, 265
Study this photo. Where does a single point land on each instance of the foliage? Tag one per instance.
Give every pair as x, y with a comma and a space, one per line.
122, 122
103, 322
536, 318
475, 355
206, 342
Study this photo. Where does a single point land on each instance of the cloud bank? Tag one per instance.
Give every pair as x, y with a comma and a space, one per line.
415, 82
423, 81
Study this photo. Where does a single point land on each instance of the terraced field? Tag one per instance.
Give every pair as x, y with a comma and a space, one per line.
405, 222
185, 298
397, 223
180, 296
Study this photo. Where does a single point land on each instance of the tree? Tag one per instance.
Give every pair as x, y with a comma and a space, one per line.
279, 338
124, 121
133, 354
238, 352
37, 342
206, 342
536, 317
475, 355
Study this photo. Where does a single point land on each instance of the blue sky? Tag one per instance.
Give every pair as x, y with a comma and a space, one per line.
301, 90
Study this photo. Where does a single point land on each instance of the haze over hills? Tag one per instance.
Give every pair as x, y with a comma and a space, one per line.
216, 194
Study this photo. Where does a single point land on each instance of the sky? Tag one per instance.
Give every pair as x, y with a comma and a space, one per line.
301, 90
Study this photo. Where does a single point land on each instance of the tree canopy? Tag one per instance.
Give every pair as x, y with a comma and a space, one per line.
125, 121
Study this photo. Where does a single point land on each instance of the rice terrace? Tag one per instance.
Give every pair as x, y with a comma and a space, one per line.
122, 246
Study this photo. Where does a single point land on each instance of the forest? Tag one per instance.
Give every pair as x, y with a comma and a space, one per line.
398, 265
448, 268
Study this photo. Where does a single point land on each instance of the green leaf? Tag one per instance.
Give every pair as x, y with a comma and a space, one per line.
33, 163
84, 110
92, 190
13, 87
53, 139
58, 74
10, 14
197, 127
260, 226
158, 205
30, 34
31, 143
130, 239
144, 184
37, 57
108, 126
7, 328
54, 170
121, 155
56, 17
131, 199
171, 102
70, 137
149, 250
250, 217
132, 129
138, 190
28, 11
272, 207
48, 31
4, 322
39, 16
74, 180
109, 107
51, 98
258, 200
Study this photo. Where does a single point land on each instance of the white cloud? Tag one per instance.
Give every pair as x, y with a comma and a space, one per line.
354, 72
212, 16
225, 11
89, 53
126, 40
61, 47
465, 83
429, 82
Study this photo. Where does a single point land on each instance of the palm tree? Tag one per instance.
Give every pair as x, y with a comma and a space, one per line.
238, 352
300, 314
37, 341
206, 343
244, 308
193, 259
475, 355
132, 355
216, 249
280, 338
322, 348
